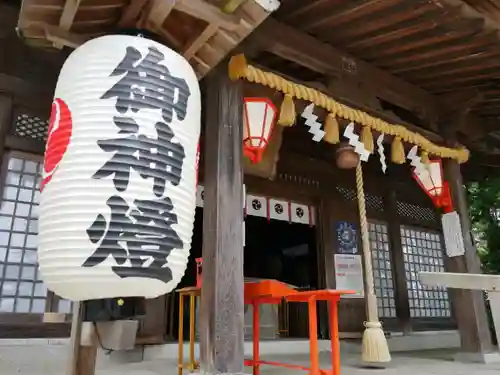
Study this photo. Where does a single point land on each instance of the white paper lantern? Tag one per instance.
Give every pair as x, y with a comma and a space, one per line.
118, 200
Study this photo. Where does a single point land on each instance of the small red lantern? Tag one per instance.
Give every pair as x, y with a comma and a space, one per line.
431, 180
259, 118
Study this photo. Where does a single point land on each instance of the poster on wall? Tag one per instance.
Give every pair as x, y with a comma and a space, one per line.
347, 240
349, 274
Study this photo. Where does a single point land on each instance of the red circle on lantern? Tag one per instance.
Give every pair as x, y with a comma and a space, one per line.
59, 135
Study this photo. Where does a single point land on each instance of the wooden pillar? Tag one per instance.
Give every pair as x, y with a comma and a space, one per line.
82, 359
397, 260
5, 126
468, 305
326, 267
221, 315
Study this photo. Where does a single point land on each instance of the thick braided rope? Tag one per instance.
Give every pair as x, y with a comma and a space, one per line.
372, 310
256, 75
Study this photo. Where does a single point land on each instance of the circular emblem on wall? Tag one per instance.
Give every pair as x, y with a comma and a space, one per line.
300, 212
59, 135
278, 208
256, 204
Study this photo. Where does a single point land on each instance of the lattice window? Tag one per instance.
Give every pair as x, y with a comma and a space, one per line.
21, 289
346, 193
374, 203
382, 269
297, 179
417, 213
423, 251
33, 127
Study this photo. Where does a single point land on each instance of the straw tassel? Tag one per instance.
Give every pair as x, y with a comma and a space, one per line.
237, 67
397, 151
367, 139
287, 112
331, 129
425, 157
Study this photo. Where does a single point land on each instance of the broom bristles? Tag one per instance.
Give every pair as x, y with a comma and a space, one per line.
375, 350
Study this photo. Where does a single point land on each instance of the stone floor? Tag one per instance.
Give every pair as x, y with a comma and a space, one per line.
49, 359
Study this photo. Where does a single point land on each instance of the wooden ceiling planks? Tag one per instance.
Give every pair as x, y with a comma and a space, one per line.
490, 8
437, 46
199, 29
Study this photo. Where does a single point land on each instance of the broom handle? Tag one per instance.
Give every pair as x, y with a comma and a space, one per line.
371, 298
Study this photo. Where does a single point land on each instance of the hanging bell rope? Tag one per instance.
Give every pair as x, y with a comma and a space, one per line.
374, 346
239, 69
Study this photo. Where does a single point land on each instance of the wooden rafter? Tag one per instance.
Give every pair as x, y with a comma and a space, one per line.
208, 12
205, 33
159, 11
230, 6
61, 37
132, 13
67, 17
294, 45
199, 40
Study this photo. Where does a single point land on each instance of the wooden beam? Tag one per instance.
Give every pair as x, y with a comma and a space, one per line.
159, 11
230, 6
69, 13
209, 13
397, 256
222, 325
292, 44
82, 359
6, 108
63, 38
199, 40
469, 12
67, 17
132, 13
462, 99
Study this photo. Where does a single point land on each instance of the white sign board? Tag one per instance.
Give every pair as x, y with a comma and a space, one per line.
452, 233
349, 274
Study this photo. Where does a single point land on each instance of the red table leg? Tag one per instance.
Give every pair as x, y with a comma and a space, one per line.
256, 337
334, 336
313, 336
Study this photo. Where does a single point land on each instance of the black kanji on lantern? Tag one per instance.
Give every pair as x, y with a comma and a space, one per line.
147, 84
157, 158
140, 237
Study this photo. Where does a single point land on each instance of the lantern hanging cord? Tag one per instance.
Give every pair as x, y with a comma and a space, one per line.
238, 69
